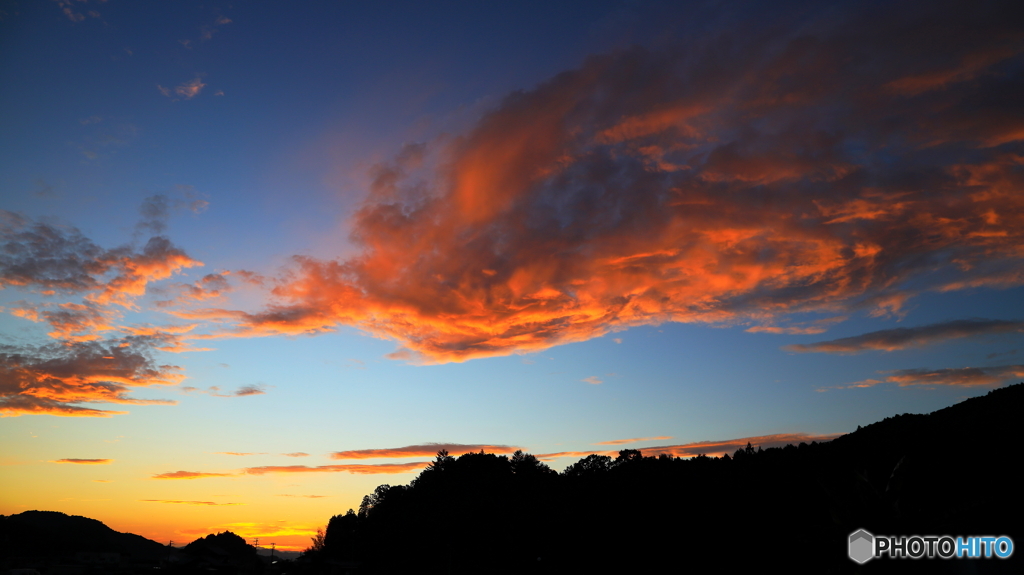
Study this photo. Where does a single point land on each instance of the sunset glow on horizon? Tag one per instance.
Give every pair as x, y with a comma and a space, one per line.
256, 260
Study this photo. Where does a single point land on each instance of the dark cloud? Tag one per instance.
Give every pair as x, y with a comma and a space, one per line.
63, 378
960, 377
47, 256
43, 256
209, 286
157, 209
905, 337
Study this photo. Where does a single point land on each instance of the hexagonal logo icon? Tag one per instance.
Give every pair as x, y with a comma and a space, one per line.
861, 544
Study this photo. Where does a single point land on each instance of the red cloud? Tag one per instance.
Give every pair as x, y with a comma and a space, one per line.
647, 187
84, 461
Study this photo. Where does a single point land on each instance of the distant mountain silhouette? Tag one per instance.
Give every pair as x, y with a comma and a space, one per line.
53, 533
220, 551
953, 472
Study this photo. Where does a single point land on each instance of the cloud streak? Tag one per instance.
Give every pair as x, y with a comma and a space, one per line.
358, 469
187, 502
84, 461
904, 337
949, 376
732, 179
633, 440
709, 448
425, 450
190, 475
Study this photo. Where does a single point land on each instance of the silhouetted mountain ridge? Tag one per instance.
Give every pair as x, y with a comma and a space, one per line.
909, 474
51, 533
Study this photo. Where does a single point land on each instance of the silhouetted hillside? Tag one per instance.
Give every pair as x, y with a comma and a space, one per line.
54, 534
951, 472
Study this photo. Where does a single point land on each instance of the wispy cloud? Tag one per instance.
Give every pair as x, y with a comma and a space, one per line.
424, 450
84, 461
187, 502
633, 440
210, 286
950, 376
729, 446
907, 337
190, 475
644, 187
709, 448
190, 89
244, 391
592, 380
358, 469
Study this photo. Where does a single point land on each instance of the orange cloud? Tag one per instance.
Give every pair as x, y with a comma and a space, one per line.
57, 378
425, 450
190, 475
159, 260
84, 461
190, 89
646, 187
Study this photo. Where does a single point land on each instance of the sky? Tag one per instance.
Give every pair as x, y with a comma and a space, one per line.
257, 258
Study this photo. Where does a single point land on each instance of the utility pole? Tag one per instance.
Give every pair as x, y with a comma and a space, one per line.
273, 547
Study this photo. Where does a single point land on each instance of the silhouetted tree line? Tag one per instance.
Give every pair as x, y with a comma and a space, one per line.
953, 472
